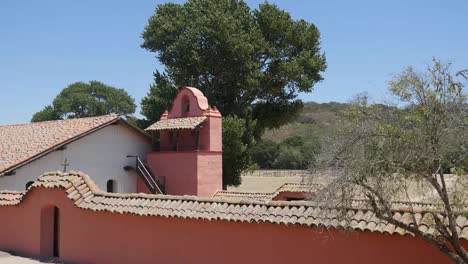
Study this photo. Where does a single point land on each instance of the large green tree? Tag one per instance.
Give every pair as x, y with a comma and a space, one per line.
249, 63
87, 99
159, 99
238, 141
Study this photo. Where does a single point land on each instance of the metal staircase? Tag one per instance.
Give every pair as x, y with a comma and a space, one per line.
148, 178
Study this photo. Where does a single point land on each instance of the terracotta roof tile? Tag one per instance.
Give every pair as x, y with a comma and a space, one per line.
21, 143
177, 123
243, 196
274, 212
287, 187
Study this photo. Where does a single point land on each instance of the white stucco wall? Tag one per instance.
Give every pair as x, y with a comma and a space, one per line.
101, 155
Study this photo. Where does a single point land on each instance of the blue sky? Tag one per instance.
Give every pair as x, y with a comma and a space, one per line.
46, 45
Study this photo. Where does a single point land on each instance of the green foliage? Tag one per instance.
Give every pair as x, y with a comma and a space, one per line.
48, 113
87, 99
293, 153
158, 99
289, 158
241, 60
275, 114
265, 153
297, 144
249, 63
238, 139
140, 123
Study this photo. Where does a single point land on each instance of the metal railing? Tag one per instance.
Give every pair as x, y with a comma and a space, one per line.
148, 178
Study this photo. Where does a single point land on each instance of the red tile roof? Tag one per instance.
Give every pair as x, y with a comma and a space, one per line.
177, 123
84, 193
308, 188
20, 144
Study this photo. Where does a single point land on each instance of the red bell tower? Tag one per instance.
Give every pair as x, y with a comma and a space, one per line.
188, 158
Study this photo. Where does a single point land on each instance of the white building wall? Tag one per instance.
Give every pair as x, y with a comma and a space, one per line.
101, 155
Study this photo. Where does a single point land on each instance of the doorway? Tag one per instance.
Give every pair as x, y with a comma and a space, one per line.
50, 231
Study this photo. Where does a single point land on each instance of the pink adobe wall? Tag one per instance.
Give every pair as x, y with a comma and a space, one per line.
141, 187
198, 103
211, 132
179, 170
96, 237
187, 172
210, 173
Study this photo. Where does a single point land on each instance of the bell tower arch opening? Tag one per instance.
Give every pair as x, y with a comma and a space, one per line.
185, 106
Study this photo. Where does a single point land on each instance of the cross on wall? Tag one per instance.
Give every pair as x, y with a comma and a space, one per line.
65, 165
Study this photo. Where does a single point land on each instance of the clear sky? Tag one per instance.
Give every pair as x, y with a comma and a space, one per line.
46, 45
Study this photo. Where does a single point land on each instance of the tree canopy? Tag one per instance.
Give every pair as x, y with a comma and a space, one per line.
293, 153
159, 99
404, 151
237, 143
87, 99
248, 63
243, 60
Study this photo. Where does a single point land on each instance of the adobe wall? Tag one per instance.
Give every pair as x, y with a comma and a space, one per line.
178, 168
187, 172
211, 132
210, 171
104, 237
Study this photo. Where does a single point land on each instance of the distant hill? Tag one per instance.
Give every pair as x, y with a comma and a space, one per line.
295, 145
315, 120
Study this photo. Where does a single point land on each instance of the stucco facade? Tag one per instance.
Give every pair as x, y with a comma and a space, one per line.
101, 153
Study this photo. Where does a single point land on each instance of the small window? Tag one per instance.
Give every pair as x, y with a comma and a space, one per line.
111, 186
29, 184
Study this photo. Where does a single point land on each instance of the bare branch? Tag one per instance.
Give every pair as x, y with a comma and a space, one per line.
382, 153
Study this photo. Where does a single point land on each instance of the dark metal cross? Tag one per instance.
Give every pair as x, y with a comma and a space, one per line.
65, 165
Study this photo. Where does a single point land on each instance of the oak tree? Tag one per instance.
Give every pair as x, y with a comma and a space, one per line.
87, 99
248, 63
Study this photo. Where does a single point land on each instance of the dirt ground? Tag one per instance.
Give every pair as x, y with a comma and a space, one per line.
7, 258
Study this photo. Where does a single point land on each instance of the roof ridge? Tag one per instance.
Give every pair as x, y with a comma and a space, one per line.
238, 192
185, 117
280, 189
59, 120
